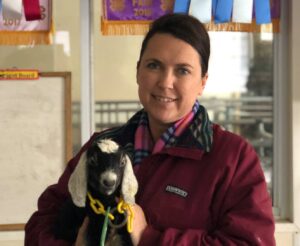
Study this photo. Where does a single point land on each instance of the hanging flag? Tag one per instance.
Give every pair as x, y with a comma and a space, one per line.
262, 11
202, 9
214, 4
133, 17
22, 32
32, 10
275, 9
242, 11
181, 6
12, 9
223, 10
123, 17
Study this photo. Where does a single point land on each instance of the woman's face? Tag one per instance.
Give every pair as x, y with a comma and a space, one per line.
169, 79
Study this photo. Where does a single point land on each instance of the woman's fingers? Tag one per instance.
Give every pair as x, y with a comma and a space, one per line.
139, 224
80, 241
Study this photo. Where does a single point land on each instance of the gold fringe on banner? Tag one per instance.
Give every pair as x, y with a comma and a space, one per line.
27, 37
124, 27
243, 27
24, 38
131, 27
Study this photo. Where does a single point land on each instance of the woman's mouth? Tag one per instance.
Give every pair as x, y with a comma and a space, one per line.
164, 99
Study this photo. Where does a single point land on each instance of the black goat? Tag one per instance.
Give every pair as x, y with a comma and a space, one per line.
103, 175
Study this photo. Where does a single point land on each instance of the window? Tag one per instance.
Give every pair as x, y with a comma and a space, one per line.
239, 92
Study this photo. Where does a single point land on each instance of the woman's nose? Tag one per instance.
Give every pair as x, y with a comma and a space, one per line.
166, 79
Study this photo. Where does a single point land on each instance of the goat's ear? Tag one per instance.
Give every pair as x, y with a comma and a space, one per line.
78, 182
129, 183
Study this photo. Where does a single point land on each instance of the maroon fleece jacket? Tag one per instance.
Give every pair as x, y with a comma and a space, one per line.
189, 196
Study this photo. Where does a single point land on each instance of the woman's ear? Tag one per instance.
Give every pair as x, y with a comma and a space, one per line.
137, 70
203, 83
204, 80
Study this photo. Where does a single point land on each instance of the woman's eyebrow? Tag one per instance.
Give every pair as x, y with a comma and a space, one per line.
181, 64
184, 65
153, 60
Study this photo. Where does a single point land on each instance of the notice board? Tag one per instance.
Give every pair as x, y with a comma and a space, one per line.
35, 142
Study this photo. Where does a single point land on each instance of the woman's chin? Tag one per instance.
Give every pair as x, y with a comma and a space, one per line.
164, 119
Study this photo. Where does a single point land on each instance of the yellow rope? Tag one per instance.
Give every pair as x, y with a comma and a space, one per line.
98, 207
122, 206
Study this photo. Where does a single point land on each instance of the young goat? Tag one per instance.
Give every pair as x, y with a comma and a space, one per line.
103, 176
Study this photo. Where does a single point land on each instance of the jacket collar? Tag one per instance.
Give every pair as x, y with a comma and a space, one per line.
198, 137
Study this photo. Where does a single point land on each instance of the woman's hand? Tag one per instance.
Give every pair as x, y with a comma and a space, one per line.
80, 241
138, 227
139, 224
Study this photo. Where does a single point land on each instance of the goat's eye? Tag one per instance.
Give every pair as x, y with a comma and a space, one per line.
123, 161
92, 162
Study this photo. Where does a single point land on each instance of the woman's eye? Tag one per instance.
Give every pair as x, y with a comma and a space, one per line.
152, 65
183, 71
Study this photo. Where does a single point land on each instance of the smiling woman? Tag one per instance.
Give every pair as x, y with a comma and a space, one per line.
198, 183
172, 71
169, 80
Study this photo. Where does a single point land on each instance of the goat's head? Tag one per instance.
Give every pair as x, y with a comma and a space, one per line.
103, 167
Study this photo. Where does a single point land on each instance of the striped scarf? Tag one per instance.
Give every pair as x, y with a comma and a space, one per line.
144, 145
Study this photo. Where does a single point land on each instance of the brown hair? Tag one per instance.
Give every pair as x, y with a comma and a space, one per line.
186, 28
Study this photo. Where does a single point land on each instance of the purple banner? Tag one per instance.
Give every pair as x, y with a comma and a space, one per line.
136, 9
275, 9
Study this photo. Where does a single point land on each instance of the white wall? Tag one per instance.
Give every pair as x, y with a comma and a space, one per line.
115, 59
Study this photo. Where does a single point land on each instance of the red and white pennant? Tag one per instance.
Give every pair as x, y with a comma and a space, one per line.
13, 9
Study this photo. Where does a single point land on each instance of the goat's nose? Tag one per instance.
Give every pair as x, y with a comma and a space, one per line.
109, 182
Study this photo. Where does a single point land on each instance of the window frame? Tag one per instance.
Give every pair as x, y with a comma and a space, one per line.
286, 121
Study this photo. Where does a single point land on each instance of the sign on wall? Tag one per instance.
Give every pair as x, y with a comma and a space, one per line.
35, 143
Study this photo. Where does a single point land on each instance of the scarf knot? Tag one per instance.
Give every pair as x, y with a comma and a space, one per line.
144, 144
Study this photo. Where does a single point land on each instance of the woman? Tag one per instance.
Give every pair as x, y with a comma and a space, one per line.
198, 184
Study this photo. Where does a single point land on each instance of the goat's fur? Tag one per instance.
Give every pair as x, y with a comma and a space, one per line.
105, 171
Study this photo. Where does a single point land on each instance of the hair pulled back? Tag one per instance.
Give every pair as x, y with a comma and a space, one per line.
186, 28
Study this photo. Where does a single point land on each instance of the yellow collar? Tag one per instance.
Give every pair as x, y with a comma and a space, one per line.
122, 208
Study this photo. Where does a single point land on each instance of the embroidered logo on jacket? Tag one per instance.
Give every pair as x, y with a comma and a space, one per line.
176, 190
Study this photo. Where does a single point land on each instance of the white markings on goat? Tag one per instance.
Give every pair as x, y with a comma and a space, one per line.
108, 146
109, 175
